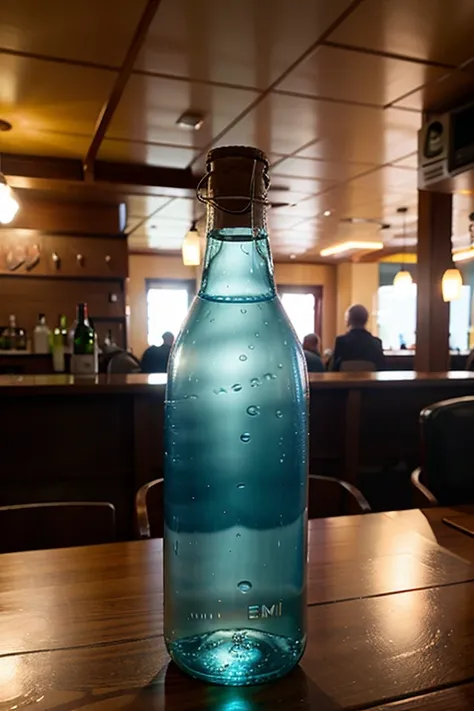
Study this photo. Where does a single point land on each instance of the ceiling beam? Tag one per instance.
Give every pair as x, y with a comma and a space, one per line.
108, 110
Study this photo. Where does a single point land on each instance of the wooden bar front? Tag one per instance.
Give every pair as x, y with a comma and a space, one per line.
101, 439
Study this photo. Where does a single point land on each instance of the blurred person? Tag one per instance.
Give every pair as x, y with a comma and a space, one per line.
312, 353
358, 344
155, 358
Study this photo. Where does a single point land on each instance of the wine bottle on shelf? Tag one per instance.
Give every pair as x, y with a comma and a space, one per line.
59, 345
10, 334
41, 336
84, 358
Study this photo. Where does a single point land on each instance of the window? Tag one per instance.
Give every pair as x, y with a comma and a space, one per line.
303, 306
397, 318
167, 305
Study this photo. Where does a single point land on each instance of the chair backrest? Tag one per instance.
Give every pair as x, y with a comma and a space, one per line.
56, 525
447, 429
149, 510
334, 497
327, 497
357, 366
122, 363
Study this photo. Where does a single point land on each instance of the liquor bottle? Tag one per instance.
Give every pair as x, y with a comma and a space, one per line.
236, 427
41, 336
59, 343
10, 334
84, 360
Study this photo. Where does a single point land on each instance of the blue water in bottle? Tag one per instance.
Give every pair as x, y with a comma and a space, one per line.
236, 473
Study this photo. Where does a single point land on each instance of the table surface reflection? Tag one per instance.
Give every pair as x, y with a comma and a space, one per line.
390, 619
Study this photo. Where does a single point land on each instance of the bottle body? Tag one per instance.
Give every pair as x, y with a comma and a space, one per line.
236, 475
10, 334
84, 358
41, 336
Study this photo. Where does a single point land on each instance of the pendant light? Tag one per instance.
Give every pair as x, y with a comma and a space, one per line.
191, 249
403, 278
8, 204
451, 284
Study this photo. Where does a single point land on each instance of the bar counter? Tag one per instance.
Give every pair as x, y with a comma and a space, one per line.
65, 438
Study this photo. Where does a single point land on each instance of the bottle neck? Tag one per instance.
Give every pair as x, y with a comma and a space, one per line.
237, 263
82, 315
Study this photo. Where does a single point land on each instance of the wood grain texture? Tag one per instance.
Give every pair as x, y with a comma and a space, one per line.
113, 593
388, 648
458, 698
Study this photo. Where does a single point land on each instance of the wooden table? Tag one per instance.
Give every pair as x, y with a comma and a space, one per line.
390, 618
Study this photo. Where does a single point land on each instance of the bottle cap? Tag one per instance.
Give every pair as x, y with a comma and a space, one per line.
249, 152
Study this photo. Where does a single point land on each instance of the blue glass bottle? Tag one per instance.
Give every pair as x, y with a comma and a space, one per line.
236, 452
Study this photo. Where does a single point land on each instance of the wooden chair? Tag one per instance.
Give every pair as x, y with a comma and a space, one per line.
446, 477
55, 525
327, 497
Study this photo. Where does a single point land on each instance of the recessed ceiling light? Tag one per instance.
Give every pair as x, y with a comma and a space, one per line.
327, 213
348, 246
190, 120
5, 125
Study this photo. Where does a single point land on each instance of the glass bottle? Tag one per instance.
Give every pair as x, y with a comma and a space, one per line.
84, 358
10, 334
41, 336
236, 451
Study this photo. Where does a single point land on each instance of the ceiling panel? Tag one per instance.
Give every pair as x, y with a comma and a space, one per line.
455, 87
354, 76
88, 30
284, 124
144, 205
318, 169
53, 98
434, 30
241, 42
25, 139
149, 153
150, 107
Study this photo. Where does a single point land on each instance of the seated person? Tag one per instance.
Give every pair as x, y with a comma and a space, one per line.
312, 353
155, 358
358, 343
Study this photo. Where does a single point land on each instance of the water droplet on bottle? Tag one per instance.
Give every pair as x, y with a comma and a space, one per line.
270, 376
253, 410
238, 535
211, 320
193, 343
251, 347
257, 335
280, 365
242, 357
176, 547
194, 397
219, 391
285, 343
279, 414
281, 460
255, 382
240, 486
244, 586
265, 323
243, 311
236, 388
245, 437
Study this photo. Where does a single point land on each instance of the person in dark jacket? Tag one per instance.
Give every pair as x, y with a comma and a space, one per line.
155, 358
357, 344
312, 353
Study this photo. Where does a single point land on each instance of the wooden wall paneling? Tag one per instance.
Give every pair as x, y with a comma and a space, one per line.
75, 217
105, 257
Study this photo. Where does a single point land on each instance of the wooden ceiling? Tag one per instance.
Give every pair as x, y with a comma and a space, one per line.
332, 90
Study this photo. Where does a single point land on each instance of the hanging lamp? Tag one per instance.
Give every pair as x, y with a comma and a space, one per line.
191, 248
403, 278
8, 204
